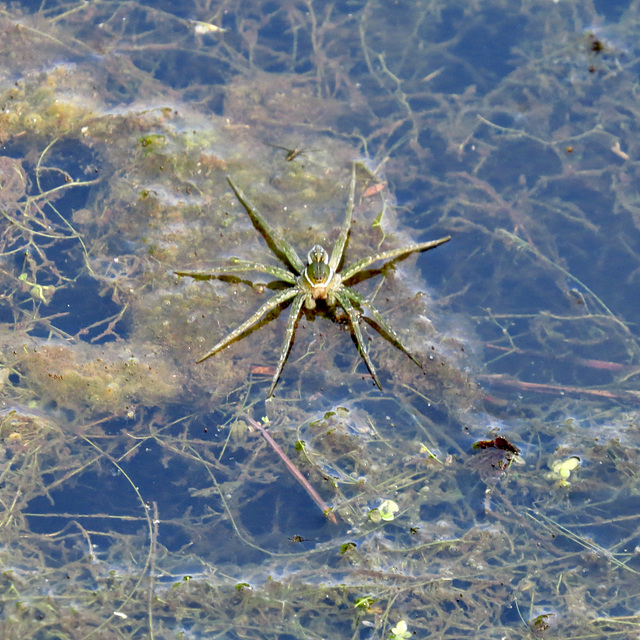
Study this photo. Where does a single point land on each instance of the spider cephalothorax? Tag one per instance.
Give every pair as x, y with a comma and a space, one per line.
319, 279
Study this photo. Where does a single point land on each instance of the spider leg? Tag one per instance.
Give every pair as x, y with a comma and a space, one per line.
345, 303
269, 305
294, 314
393, 254
338, 248
280, 245
383, 325
240, 266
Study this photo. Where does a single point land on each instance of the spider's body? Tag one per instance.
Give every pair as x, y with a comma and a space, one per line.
319, 279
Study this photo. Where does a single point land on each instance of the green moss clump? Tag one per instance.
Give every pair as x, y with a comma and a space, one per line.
105, 379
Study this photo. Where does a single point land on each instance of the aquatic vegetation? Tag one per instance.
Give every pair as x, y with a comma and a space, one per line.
384, 512
138, 499
561, 469
400, 631
99, 379
320, 280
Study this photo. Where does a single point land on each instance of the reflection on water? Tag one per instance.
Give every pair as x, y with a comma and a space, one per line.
490, 493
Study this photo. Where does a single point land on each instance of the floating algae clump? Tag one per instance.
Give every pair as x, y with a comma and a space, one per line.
109, 378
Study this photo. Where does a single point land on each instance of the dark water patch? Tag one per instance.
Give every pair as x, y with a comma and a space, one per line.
87, 311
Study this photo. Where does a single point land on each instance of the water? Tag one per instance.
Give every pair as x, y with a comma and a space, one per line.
139, 497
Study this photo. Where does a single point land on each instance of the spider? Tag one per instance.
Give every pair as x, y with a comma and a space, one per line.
319, 279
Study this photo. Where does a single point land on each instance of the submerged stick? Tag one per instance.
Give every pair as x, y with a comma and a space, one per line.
295, 472
560, 389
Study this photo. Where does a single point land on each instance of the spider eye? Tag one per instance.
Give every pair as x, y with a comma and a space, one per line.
318, 254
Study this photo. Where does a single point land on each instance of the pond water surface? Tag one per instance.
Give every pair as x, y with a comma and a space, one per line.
491, 492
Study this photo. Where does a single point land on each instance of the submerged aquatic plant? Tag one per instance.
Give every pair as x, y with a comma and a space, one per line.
319, 279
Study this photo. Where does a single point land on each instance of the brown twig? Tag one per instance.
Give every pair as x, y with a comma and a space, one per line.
585, 362
555, 389
295, 472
